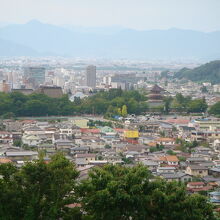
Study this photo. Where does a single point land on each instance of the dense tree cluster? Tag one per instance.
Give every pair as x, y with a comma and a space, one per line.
33, 105
209, 72
182, 103
215, 109
38, 190
109, 103
51, 190
17, 104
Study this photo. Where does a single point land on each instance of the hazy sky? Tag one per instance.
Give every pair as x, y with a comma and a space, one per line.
139, 14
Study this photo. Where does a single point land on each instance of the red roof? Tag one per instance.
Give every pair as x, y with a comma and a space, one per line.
5, 160
74, 205
205, 188
28, 121
177, 121
169, 158
196, 183
120, 130
5, 132
90, 130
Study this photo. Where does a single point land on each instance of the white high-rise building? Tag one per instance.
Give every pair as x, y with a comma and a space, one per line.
91, 76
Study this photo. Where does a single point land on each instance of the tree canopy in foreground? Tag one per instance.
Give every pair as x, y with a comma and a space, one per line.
42, 190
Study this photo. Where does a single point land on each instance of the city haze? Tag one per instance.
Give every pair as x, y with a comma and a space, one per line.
202, 15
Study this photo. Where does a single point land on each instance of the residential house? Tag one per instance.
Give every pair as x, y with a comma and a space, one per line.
21, 155
166, 170
170, 160
197, 187
197, 171
179, 176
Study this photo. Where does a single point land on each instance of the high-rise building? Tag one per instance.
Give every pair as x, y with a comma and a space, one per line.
91, 76
35, 76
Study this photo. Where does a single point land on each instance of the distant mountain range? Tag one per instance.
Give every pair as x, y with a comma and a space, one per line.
209, 72
39, 39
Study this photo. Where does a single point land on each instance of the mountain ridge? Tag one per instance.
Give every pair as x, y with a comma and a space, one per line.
209, 72
173, 43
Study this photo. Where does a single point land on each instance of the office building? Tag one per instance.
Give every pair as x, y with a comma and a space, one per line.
91, 76
35, 76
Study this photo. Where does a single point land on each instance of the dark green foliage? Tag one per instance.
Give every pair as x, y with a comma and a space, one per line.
122, 193
204, 89
215, 109
170, 152
17, 104
92, 123
38, 190
109, 102
42, 191
18, 143
157, 148
209, 72
185, 104
185, 146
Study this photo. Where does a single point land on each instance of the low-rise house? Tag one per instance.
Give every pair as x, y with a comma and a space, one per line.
185, 131
6, 137
34, 130
166, 170
63, 145
79, 150
21, 155
81, 162
5, 160
152, 165
66, 131
46, 147
169, 160
179, 176
209, 136
165, 141
215, 197
216, 146
11, 125
197, 171
204, 155
31, 140
208, 164
197, 187
88, 157
195, 160
90, 132
214, 172
138, 148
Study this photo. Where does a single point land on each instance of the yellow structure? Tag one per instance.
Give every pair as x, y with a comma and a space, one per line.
131, 134
80, 122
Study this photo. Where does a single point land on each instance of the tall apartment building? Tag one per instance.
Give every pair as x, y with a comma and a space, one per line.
35, 76
91, 76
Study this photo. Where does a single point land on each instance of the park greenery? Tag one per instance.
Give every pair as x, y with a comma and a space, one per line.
186, 146
40, 190
114, 102
215, 109
186, 104
16, 104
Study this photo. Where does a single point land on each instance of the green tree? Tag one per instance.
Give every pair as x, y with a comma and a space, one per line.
204, 89
18, 143
123, 193
215, 109
37, 190
197, 106
124, 111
